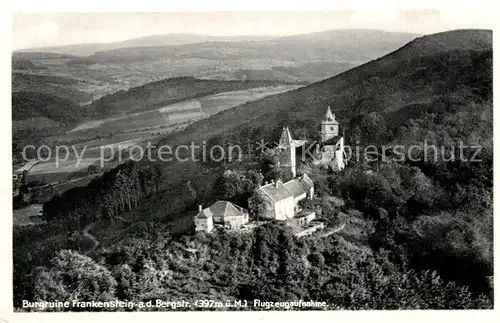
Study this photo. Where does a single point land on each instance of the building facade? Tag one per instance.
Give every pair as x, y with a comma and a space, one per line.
287, 154
280, 201
329, 126
331, 151
203, 221
222, 213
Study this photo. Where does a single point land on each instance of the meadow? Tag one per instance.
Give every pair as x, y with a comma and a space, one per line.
182, 112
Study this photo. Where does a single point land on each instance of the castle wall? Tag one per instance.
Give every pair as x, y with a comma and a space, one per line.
287, 160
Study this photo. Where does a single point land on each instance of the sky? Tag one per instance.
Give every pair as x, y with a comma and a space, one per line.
31, 30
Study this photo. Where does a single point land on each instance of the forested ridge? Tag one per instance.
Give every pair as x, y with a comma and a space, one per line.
418, 234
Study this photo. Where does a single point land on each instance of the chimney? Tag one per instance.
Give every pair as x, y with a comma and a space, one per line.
276, 184
200, 208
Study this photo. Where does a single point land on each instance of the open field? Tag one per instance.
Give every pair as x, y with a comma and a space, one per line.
213, 104
52, 171
182, 112
68, 166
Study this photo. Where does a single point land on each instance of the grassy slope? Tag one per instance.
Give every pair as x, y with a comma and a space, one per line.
420, 71
158, 94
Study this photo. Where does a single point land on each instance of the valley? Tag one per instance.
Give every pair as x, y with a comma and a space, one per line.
102, 144
176, 115
293, 59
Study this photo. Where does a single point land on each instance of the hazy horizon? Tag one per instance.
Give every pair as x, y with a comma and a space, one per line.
62, 29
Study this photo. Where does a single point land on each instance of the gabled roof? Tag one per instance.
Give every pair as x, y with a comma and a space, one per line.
286, 138
299, 143
306, 181
204, 214
279, 191
276, 191
222, 208
330, 117
300, 185
287, 141
295, 187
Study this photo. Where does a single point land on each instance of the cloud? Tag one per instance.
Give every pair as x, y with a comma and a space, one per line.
374, 16
53, 29
45, 30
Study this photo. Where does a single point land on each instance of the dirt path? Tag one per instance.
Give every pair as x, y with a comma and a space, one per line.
87, 234
123, 220
334, 231
191, 189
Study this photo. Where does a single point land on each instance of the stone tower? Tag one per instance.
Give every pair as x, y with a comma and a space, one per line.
286, 150
329, 126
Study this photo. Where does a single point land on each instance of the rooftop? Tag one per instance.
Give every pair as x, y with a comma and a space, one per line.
287, 141
330, 117
276, 191
293, 188
221, 208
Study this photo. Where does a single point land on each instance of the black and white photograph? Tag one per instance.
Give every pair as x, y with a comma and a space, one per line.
329, 160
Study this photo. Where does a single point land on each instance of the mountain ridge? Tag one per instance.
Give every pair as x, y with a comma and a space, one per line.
173, 39
344, 89
176, 39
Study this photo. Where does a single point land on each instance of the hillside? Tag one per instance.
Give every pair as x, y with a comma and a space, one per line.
419, 72
37, 115
161, 93
152, 40
36, 55
20, 64
65, 88
33, 105
330, 51
342, 38
346, 45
